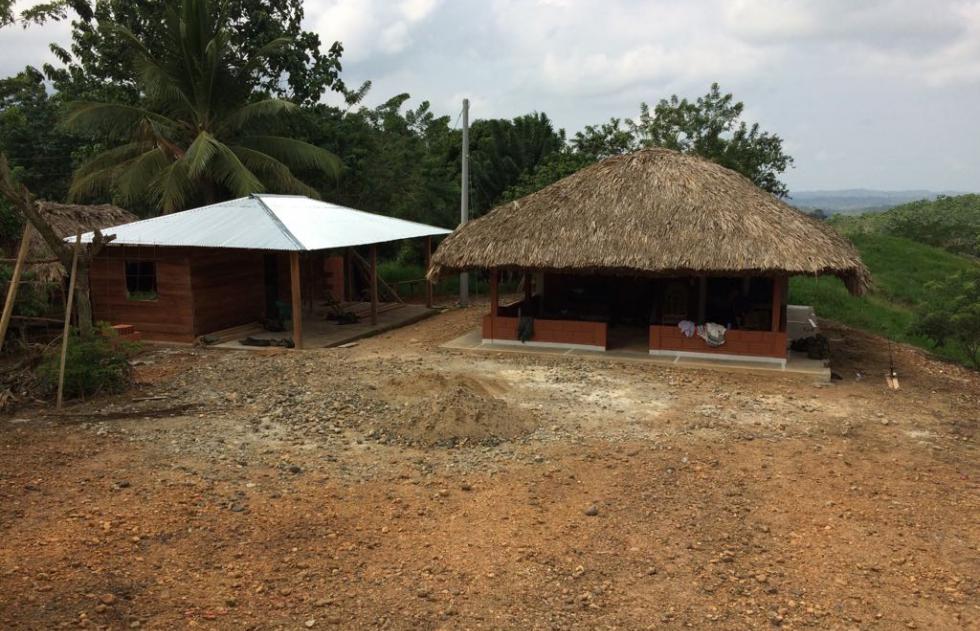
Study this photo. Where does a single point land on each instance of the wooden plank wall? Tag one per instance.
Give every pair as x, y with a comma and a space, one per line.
199, 290
228, 287
168, 318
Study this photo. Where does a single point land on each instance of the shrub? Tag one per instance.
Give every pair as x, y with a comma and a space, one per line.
953, 315
94, 364
32, 297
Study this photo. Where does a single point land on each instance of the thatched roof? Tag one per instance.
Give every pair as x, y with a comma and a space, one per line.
656, 212
68, 220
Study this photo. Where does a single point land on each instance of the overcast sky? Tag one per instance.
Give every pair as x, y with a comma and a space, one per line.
866, 93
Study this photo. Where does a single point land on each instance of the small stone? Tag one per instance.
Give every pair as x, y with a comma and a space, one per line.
107, 599
309, 623
592, 511
762, 578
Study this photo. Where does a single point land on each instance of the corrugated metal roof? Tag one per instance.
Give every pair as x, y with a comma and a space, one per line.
268, 222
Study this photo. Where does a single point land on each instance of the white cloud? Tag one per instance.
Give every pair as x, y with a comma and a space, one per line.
369, 26
844, 82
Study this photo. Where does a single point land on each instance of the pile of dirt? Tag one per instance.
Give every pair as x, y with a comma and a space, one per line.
436, 410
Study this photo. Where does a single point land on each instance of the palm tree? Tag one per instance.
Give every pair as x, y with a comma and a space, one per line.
200, 133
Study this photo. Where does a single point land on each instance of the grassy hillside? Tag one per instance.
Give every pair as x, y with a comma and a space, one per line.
952, 223
901, 270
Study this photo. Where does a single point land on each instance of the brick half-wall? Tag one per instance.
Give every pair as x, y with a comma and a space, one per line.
737, 342
571, 332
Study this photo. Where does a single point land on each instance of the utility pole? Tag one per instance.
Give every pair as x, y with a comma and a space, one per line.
464, 200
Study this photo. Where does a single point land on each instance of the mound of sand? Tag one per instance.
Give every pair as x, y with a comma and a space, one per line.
444, 410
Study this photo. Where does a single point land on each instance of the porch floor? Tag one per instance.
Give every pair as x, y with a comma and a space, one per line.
796, 363
318, 332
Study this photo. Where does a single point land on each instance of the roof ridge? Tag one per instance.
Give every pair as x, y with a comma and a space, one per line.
272, 215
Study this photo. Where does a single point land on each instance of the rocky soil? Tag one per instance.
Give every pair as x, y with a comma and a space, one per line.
397, 485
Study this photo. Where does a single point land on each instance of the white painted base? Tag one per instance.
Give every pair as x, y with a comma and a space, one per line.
781, 362
577, 347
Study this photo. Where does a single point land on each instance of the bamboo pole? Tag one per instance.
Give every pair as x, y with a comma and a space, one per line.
297, 299
64, 332
428, 264
374, 284
8, 306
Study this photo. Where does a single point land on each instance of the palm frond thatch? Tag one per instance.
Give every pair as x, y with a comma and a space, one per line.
68, 220
656, 212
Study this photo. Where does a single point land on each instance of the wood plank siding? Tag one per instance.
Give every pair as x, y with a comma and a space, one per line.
169, 317
202, 290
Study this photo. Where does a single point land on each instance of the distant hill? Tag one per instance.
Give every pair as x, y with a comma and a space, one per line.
855, 201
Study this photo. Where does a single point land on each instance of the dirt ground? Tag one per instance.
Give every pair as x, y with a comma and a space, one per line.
396, 485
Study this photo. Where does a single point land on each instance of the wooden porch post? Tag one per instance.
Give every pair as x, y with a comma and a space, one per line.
348, 275
494, 279
428, 264
374, 284
296, 298
493, 292
777, 302
8, 306
527, 287
702, 298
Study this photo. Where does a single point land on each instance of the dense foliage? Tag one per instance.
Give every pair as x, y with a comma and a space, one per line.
952, 314
94, 364
199, 134
950, 222
907, 277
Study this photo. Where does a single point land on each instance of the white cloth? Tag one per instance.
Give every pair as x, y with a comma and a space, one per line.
687, 327
712, 333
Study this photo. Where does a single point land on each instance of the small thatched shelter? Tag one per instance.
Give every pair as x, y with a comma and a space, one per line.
655, 235
67, 220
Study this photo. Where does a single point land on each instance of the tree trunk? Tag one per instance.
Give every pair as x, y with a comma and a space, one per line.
83, 301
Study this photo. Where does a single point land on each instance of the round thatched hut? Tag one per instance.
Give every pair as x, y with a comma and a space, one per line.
646, 242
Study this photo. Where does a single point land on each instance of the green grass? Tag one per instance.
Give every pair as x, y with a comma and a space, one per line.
901, 270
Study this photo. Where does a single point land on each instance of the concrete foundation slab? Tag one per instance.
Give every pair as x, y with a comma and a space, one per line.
796, 364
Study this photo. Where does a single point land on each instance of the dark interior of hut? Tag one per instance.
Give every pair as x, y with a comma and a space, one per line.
629, 305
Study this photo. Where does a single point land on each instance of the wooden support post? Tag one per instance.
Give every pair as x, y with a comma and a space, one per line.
528, 287
494, 282
348, 276
64, 332
296, 297
777, 303
8, 306
428, 264
702, 299
374, 284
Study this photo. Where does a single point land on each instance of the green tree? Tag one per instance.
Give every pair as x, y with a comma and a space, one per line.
711, 127
502, 151
200, 134
101, 66
40, 153
605, 140
954, 315
556, 166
